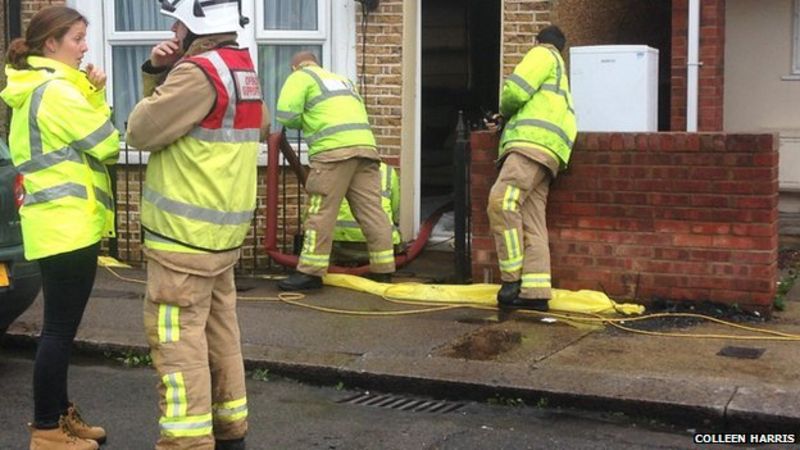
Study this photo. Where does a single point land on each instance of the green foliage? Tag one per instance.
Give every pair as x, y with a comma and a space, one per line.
131, 358
261, 375
340, 386
505, 401
784, 286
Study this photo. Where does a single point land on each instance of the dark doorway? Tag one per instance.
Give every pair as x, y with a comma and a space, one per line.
460, 72
649, 22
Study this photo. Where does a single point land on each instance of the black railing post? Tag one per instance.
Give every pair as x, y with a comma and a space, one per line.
461, 200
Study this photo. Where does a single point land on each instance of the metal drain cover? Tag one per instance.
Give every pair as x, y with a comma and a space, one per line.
401, 403
742, 352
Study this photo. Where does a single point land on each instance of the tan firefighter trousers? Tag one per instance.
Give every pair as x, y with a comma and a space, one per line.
517, 204
193, 332
358, 180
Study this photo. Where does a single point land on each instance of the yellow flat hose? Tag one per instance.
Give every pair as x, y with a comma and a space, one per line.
582, 307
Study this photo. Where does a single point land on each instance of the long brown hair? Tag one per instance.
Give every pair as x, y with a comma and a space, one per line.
53, 21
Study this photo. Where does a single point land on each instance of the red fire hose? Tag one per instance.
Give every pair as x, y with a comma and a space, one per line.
277, 144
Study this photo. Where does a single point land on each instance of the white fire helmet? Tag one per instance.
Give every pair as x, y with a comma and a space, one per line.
206, 16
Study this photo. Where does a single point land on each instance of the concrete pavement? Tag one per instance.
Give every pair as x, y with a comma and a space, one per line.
472, 354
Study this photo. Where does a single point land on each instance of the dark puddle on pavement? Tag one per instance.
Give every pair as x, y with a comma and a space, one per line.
483, 345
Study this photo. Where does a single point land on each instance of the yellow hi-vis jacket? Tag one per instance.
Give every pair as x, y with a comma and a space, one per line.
348, 230
61, 140
328, 109
200, 191
538, 105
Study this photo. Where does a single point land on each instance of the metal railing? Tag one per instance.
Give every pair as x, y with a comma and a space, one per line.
127, 183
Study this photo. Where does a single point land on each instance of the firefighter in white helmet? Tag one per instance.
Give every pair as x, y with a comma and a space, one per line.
201, 119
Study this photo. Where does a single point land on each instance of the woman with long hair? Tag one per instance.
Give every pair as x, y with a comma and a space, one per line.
61, 141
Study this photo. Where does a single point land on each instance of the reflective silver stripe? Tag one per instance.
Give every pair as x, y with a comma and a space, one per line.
316, 78
34, 133
228, 135
287, 115
519, 81
185, 425
559, 75
336, 129
547, 126
176, 391
95, 137
96, 165
55, 193
348, 224
148, 236
196, 212
104, 198
326, 93
43, 161
386, 188
552, 88
225, 412
330, 94
227, 80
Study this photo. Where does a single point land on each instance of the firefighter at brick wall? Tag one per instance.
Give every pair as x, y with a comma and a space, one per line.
61, 142
536, 143
344, 164
201, 119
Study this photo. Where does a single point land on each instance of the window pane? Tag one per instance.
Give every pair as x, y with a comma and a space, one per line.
273, 69
140, 15
796, 68
290, 15
127, 63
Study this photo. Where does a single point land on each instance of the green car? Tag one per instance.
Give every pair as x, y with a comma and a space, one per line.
20, 281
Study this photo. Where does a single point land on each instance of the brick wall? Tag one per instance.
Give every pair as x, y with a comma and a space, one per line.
290, 203
672, 215
712, 57
522, 20
383, 73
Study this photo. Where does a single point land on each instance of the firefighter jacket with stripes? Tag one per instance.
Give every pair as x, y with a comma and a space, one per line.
326, 107
348, 230
538, 105
200, 191
61, 140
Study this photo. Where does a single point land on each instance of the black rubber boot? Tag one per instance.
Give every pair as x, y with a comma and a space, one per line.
236, 444
380, 277
508, 292
527, 303
299, 281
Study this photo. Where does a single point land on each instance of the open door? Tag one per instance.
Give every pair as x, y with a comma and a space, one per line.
460, 71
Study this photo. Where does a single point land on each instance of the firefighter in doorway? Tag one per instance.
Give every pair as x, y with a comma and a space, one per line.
201, 120
344, 164
536, 143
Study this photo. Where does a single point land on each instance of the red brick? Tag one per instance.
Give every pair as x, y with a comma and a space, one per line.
692, 240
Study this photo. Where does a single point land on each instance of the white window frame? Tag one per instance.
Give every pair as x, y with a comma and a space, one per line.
336, 22
796, 39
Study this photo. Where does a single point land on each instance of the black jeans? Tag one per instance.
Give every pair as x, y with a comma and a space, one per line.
67, 281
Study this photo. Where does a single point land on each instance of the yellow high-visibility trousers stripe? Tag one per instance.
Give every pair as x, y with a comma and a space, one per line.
230, 411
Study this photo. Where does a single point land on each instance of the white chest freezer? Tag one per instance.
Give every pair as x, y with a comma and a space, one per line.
615, 87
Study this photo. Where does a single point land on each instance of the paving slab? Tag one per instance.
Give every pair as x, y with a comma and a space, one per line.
479, 354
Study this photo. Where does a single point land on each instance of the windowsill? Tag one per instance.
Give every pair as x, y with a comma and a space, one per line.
134, 157
793, 77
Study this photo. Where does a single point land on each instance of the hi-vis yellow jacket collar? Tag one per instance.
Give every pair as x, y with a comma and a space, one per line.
22, 82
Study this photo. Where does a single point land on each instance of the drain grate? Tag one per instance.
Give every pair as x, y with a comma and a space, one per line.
402, 403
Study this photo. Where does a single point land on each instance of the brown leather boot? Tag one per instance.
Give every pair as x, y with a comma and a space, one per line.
59, 438
82, 429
